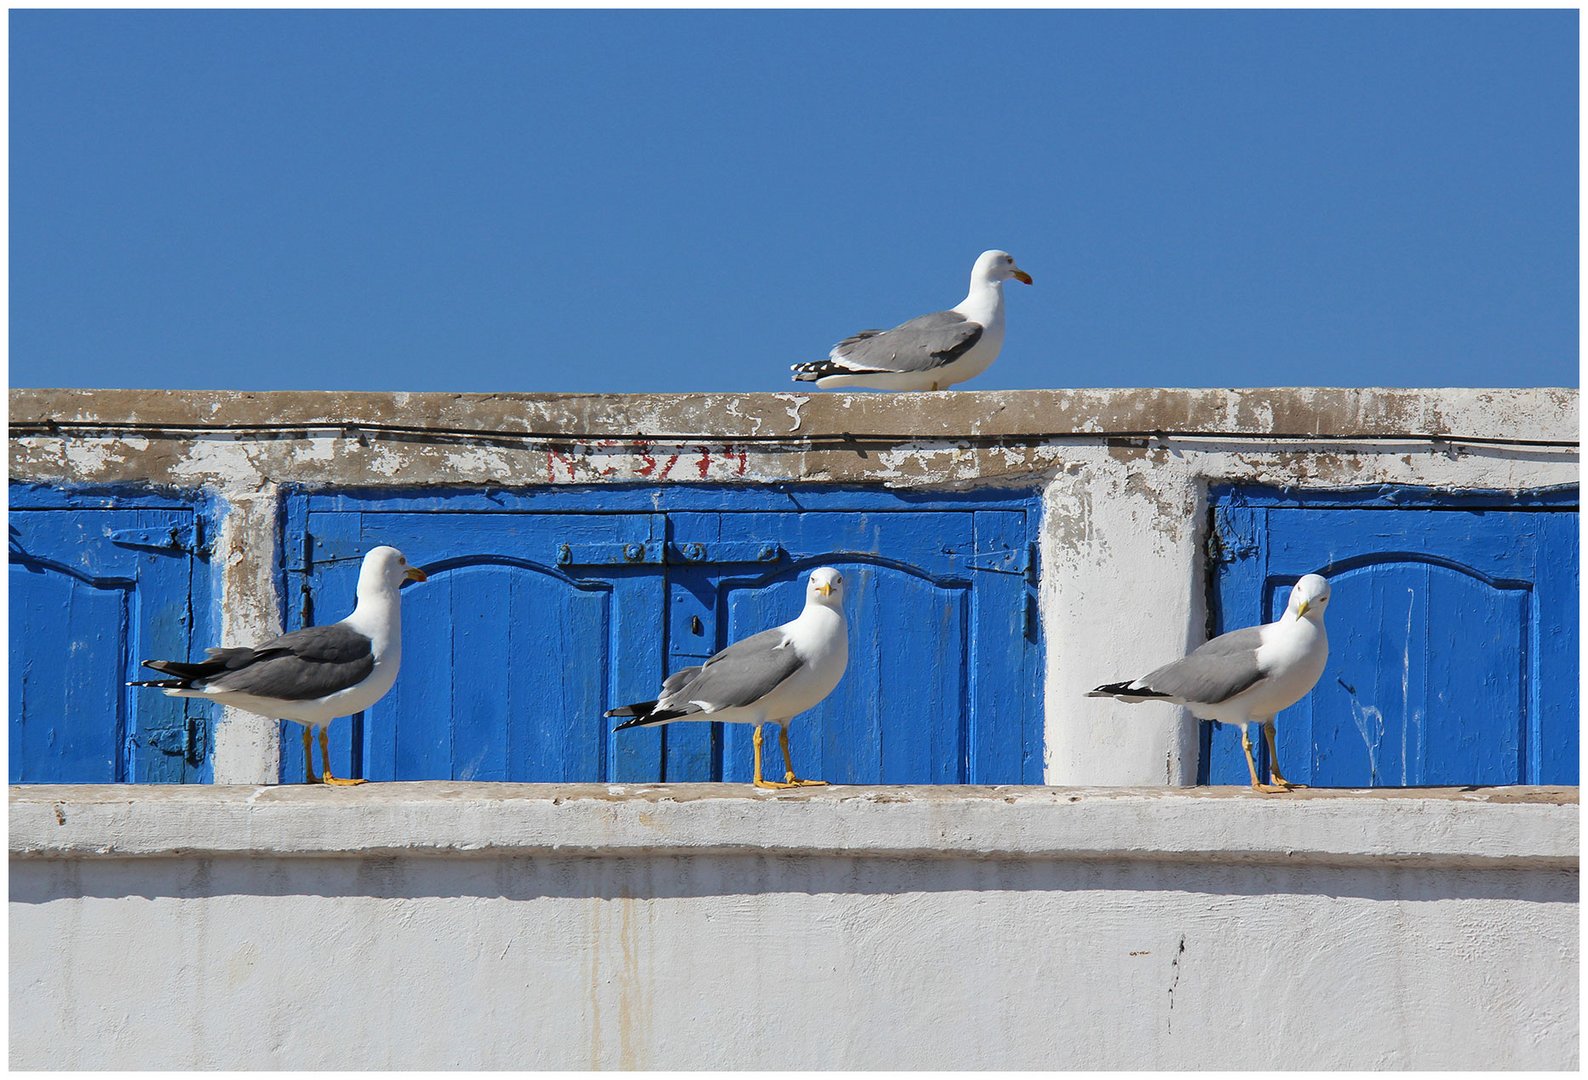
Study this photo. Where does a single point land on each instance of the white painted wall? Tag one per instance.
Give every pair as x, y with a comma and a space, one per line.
706, 926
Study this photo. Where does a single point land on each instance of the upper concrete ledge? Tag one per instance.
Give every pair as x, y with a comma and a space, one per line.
1534, 415
1461, 827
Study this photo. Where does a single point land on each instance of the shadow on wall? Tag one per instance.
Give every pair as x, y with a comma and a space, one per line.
525, 878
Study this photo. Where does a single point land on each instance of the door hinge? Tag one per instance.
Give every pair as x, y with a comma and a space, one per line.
187, 538
728, 551
186, 740
1230, 542
331, 549
638, 553
1013, 560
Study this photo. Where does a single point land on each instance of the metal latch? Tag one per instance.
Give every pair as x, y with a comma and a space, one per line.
728, 551
188, 538
638, 553
185, 741
1012, 560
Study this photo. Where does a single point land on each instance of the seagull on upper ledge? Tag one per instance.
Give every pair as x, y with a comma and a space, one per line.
310, 676
1247, 676
930, 352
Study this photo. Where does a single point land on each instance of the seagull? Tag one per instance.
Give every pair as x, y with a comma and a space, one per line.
313, 675
1248, 675
931, 352
769, 677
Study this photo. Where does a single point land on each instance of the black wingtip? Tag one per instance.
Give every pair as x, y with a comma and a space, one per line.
1123, 689
820, 369
164, 684
647, 719
639, 708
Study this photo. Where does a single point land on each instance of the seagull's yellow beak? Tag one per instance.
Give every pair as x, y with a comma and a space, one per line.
413, 573
1301, 609
825, 588
1021, 276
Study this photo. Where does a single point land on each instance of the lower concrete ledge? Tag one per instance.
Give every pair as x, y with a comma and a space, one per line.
520, 926
1498, 828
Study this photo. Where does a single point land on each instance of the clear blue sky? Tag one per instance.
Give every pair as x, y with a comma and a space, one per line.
640, 201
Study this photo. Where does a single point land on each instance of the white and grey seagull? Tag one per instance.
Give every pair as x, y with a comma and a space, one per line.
769, 677
930, 352
310, 676
1247, 676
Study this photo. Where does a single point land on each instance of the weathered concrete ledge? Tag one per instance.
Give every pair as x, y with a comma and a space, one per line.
1532, 415
1497, 828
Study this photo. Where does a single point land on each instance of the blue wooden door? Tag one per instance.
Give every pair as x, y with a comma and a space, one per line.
942, 675
95, 590
511, 650
542, 612
1452, 635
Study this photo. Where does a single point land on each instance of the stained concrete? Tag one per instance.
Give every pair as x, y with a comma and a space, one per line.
1534, 415
1473, 827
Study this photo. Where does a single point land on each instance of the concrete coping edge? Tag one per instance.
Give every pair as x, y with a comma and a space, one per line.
1495, 828
1539, 416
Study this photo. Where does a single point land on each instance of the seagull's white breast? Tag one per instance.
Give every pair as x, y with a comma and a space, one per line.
1294, 652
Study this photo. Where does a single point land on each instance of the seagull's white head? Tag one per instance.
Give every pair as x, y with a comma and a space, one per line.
825, 587
1308, 598
385, 569
996, 267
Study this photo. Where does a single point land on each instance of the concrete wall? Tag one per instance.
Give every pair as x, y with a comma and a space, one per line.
1125, 475
681, 926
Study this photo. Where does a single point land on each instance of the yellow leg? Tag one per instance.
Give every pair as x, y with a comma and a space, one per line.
311, 776
1273, 760
759, 781
1251, 766
325, 756
788, 763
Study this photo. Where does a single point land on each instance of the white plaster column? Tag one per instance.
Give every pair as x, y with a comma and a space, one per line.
248, 747
1122, 594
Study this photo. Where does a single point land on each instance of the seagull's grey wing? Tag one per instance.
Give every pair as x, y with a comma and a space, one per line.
679, 678
742, 674
921, 344
1213, 673
300, 666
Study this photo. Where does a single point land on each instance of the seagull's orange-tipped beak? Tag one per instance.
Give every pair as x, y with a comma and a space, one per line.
413, 573
824, 588
1302, 609
1022, 277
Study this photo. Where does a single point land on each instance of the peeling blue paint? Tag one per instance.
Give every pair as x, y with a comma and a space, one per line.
100, 579
1452, 631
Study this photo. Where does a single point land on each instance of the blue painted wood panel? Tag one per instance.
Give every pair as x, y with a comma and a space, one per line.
537, 618
95, 588
1452, 633
511, 651
926, 697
